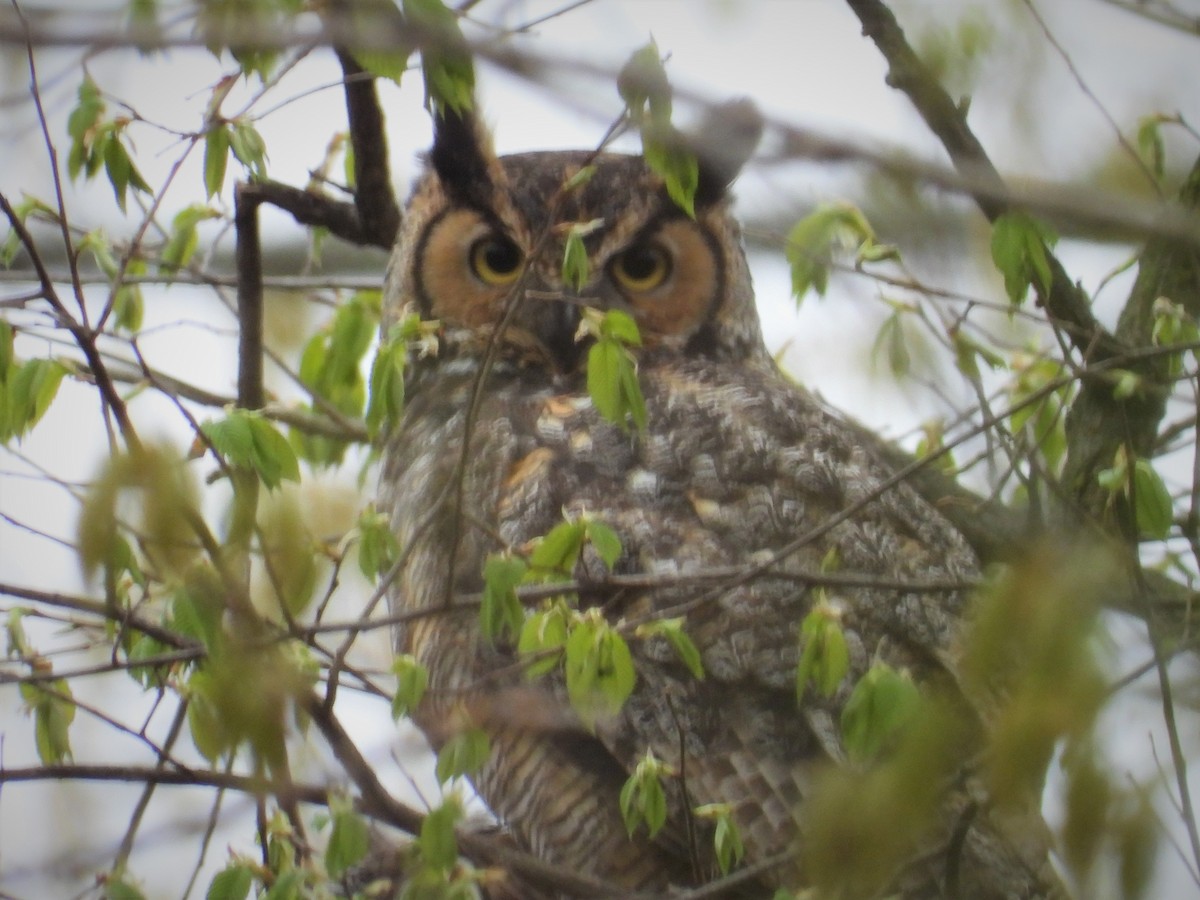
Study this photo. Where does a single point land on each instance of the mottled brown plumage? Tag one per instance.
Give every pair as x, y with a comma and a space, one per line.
737, 467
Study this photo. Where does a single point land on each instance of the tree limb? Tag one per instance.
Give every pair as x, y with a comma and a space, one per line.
1065, 301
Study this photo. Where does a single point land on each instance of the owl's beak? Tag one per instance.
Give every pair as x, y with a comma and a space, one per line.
553, 319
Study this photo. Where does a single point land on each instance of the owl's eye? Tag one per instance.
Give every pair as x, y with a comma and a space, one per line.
642, 267
495, 260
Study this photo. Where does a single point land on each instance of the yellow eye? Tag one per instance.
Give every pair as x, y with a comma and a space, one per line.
642, 267
495, 260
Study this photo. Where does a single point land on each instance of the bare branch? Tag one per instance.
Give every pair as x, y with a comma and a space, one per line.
250, 297
374, 198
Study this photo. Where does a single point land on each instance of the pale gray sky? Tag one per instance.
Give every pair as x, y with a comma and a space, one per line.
803, 61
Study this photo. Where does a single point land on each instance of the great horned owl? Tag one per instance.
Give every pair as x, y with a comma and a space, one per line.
500, 440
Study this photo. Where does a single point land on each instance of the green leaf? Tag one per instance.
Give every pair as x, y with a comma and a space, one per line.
30, 390
631, 392
555, 555
881, 705
129, 308
1153, 508
621, 327
247, 440
377, 545
575, 267
96, 243
1137, 833
18, 644
196, 612
501, 614
1173, 325
53, 712
543, 636
580, 178
118, 887
142, 648
1087, 799
231, 883
81, 125
608, 368
599, 669
118, 166
445, 60
604, 540
612, 369
1043, 421
1128, 384
678, 167
272, 457
891, 339
380, 17
348, 842
1020, 252
643, 86
249, 148
161, 492
727, 840
437, 841
671, 630
463, 754
231, 437
216, 157
871, 252
824, 659
412, 679
968, 352
183, 239
7, 356
642, 799
88, 109
128, 303
386, 396
812, 241
289, 885
1150, 143
331, 366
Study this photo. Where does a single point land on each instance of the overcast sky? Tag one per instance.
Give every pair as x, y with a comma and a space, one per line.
803, 62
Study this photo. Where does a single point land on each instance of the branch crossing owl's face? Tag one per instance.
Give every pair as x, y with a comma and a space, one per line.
485, 237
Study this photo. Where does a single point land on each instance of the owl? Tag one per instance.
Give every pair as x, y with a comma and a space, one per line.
740, 489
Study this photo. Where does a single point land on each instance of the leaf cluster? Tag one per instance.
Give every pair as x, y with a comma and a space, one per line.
27, 388
612, 380
643, 86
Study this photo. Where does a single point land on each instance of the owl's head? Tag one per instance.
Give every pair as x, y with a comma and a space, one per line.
483, 242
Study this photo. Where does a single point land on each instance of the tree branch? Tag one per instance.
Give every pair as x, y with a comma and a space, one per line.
246, 198
1064, 300
1098, 424
374, 199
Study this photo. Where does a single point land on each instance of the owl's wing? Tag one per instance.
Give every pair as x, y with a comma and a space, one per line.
738, 468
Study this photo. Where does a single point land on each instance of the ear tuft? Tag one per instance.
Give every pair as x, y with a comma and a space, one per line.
723, 143
463, 158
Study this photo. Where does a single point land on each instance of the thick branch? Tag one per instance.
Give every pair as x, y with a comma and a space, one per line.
378, 212
1098, 423
1065, 301
310, 208
249, 297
